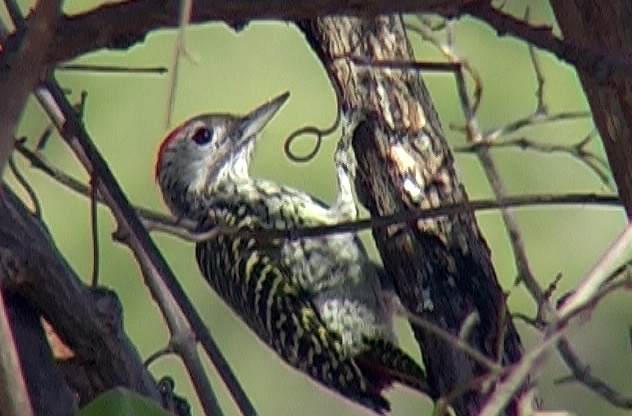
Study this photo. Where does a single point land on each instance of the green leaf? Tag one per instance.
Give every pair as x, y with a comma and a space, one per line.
122, 402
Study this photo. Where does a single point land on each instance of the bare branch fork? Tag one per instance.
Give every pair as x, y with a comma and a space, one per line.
589, 296
120, 25
173, 302
588, 293
156, 271
479, 142
19, 70
38, 162
155, 221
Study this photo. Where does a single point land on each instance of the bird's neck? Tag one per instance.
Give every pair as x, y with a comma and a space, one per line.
191, 198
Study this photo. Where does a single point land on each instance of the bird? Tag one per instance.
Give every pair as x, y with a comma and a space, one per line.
319, 302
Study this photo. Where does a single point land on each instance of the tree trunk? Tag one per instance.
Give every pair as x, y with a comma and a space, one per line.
441, 267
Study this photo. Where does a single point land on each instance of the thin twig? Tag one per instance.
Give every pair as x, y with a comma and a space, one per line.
426, 31
511, 223
581, 373
37, 208
595, 279
578, 151
317, 132
158, 272
39, 162
112, 69
456, 341
597, 62
182, 340
94, 231
180, 51
401, 64
474, 135
585, 297
180, 231
161, 222
158, 354
535, 118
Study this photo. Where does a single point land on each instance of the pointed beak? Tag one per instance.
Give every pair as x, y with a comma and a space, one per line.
252, 123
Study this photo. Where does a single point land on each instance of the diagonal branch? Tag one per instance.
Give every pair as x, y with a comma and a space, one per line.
14, 396
440, 266
588, 294
593, 60
605, 26
582, 374
20, 66
50, 285
185, 229
72, 130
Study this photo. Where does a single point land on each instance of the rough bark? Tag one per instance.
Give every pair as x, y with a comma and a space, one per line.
44, 381
20, 65
441, 267
605, 25
89, 321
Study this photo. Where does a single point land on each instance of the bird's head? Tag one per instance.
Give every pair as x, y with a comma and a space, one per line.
206, 150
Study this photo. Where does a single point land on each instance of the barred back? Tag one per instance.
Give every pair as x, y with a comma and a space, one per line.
260, 290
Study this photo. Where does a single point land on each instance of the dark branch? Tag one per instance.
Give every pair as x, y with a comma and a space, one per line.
158, 276
581, 373
47, 389
121, 25
187, 230
605, 26
20, 66
440, 266
595, 61
51, 287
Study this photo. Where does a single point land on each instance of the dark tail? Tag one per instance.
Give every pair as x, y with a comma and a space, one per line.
384, 363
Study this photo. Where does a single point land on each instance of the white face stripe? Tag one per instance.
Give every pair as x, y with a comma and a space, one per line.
188, 169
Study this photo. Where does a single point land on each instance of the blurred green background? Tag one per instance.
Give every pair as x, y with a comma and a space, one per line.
126, 115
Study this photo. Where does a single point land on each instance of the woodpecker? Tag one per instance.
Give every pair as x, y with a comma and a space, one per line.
318, 302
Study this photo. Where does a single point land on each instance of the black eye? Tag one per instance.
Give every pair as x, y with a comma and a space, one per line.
202, 136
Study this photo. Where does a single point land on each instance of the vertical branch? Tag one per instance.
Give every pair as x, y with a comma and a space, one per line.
14, 398
20, 70
605, 26
474, 135
441, 267
588, 294
48, 391
88, 321
143, 247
